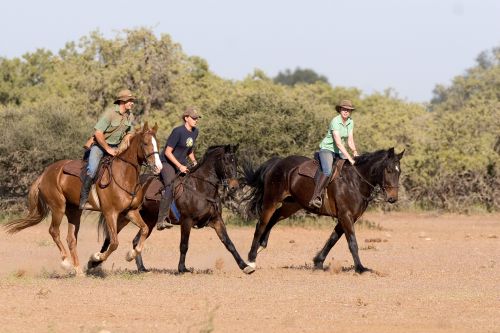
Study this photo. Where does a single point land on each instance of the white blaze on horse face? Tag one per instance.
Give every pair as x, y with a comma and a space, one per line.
397, 168
157, 157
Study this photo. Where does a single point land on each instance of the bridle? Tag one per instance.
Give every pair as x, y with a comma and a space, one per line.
384, 186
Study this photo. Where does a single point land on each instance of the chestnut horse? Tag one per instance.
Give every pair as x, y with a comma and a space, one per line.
279, 190
197, 201
118, 193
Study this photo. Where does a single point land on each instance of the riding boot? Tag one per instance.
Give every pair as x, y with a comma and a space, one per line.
163, 220
321, 180
84, 193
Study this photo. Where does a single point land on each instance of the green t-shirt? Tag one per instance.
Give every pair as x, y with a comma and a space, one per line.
343, 129
110, 120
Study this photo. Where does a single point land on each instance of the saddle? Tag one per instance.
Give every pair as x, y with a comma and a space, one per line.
77, 168
309, 168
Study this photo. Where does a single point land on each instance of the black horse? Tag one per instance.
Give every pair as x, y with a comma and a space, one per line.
197, 202
282, 186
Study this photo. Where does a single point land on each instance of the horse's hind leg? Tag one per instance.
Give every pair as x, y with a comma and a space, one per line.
285, 211
319, 259
74, 215
267, 213
220, 229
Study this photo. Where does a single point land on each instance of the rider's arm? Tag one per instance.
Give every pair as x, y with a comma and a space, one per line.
192, 158
340, 145
99, 136
169, 153
350, 142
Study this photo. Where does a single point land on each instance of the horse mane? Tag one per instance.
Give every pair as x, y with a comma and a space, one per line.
370, 158
207, 155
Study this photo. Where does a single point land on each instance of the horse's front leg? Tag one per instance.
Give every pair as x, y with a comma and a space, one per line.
319, 259
185, 232
111, 223
74, 216
220, 229
348, 225
135, 217
150, 222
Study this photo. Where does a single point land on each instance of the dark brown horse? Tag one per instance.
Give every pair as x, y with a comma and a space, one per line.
280, 189
118, 193
197, 201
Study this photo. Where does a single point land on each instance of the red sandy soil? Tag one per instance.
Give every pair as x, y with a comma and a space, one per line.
432, 273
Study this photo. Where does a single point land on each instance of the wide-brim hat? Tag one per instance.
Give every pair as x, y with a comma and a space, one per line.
192, 112
124, 96
345, 104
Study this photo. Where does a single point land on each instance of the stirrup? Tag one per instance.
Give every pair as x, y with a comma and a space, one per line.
165, 224
316, 202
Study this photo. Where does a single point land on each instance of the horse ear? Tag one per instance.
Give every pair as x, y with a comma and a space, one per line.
155, 128
400, 155
391, 152
145, 128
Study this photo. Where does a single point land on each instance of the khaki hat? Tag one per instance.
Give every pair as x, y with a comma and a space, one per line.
124, 96
191, 112
346, 104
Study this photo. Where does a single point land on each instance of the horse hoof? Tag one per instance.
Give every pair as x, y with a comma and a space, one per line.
131, 255
252, 264
143, 270
66, 265
95, 257
248, 270
261, 248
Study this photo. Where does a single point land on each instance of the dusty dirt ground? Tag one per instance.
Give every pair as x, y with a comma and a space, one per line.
432, 273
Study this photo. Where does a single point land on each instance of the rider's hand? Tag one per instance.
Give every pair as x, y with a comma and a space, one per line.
183, 169
355, 153
351, 161
111, 151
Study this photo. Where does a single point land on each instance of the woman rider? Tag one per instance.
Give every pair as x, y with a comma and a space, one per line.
333, 146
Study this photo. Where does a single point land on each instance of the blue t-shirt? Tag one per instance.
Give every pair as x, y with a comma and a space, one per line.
182, 141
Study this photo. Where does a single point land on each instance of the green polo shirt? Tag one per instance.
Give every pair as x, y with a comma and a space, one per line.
343, 129
110, 120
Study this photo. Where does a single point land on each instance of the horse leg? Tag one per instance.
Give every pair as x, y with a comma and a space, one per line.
319, 259
111, 223
121, 223
220, 229
281, 213
74, 216
57, 215
348, 226
185, 232
267, 213
136, 218
138, 260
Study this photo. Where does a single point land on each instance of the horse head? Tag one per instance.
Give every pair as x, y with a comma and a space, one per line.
147, 150
226, 167
391, 173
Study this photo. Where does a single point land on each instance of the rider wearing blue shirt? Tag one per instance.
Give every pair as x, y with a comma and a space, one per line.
179, 146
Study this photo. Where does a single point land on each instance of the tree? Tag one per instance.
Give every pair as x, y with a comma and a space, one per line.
299, 75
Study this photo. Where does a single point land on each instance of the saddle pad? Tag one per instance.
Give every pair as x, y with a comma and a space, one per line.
308, 168
74, 167
153, 191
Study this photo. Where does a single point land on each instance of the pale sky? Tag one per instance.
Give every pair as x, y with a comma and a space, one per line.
407, 45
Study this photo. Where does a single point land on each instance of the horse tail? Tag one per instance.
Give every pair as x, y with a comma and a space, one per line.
102, 228
255, 179
37, 210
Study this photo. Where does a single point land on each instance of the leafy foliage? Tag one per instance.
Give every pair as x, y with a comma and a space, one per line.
50, 102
